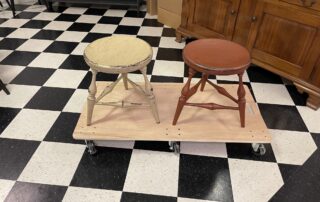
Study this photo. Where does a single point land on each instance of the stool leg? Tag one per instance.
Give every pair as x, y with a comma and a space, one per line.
150, 95
241, 101
203, 81
125, 80
91, 97
184, 96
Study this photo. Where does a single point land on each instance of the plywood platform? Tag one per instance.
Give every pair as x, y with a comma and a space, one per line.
195, 124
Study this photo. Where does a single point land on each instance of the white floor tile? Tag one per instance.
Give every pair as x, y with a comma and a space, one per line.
150, 31
79, 50
4, 54
31, 124
9, 72
87, 194
104, 28
36, 8
23, 33
65, 78
48, 60
77, 101
153, 172
53, 163
170, 42
311, 118
254, 180
75, 10
58, 25
131, 21
155, 52
14, 22
291, 147
72, 36
5, 187
34, 45
115, 13
271, 94
168, 68
46, 16
6, 14
204, 149
19, 95
116, 144
88, 18
148, 16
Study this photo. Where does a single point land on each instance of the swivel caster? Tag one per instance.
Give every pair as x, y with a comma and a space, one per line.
91, 147
258, 149
174, 146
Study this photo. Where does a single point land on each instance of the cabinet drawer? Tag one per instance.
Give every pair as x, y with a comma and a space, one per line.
311, 4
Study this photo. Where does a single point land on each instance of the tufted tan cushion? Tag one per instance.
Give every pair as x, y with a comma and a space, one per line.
118, 51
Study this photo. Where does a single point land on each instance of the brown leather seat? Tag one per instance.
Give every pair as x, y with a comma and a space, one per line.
214, 57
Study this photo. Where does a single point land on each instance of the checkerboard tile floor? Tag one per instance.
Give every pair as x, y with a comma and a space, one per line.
41, 60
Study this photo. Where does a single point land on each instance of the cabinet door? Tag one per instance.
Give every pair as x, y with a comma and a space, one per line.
213, 18
285, 39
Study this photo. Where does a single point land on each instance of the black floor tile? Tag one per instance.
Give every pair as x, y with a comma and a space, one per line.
298, 98
67, 17
152, 23
31, 192
153, 41
110, 20
169, 54
62, 129
7, 115
136, 197
10, 43
5, 31
14, 155
130, 30
94, 36
282, 117
166, 79
21, 58
316, 138
2, 20
94, 11
169, 32
257, 74
81, 27
27, 15
47, 34
33, 76
61, 47
198, 174
303, 185
152, 145
75, 62
85, 83
50, 99
135, 14
287, 170
106, 170
19, 7
149, 68
245, 151
36, 24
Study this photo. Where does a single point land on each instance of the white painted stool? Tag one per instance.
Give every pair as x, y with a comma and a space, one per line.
119, 55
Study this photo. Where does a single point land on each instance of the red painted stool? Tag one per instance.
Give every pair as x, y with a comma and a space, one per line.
214, 57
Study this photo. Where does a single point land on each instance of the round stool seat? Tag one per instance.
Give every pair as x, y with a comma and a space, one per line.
118, 54
216, 55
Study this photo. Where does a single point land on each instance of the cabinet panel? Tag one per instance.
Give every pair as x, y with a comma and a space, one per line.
219, 18
285, 38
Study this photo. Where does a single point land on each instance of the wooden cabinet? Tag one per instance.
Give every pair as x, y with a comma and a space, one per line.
283, 36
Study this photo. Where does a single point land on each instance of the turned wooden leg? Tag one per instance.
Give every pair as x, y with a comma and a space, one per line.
203, 81
125, 80
313, 101
178, 37
150, 95
184, 96
241, 101
92, 97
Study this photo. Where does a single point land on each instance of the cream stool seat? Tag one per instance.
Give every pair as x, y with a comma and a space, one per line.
119, 55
